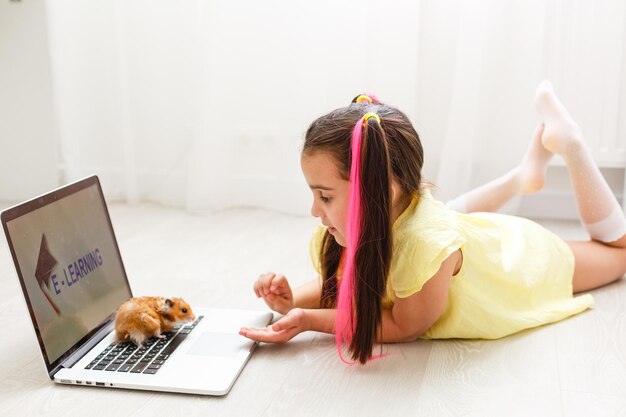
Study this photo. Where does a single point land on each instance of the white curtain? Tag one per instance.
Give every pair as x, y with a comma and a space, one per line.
203, 104
495, 53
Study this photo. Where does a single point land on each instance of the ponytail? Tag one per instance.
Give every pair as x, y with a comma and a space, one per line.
368, 249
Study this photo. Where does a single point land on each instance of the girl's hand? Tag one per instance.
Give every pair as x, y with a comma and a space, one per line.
275, 291
295, 322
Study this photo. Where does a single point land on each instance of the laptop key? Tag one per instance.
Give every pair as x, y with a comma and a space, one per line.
139, 367
125, 368
150, 371
174, 343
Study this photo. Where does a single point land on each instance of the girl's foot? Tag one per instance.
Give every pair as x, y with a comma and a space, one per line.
530, 174
561, 134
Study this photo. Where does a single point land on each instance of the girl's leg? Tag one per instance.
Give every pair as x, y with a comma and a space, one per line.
526, 178
599, 209
603, 259
596, 264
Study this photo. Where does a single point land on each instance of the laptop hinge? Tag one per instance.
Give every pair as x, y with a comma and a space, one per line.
87, 346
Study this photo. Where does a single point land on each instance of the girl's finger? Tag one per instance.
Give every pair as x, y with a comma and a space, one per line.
264, 335
278, 283
286, 323
259, 284
266, 282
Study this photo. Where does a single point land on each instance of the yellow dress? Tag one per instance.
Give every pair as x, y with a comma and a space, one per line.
515, 274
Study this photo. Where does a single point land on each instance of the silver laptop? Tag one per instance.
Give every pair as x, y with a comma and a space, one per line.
73, 280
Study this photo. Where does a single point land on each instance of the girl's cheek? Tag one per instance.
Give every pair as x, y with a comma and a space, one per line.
342, 235
340, 240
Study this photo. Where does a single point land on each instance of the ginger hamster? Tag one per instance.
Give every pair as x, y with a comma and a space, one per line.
140, 318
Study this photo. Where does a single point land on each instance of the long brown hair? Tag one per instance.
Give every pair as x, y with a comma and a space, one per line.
390, 150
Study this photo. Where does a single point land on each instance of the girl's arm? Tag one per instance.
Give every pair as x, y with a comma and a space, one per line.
308, 295
323, 320
409, 318
415, 314
392, 332
299, 320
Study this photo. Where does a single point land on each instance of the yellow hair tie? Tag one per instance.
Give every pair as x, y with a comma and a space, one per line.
363, 97
366, 116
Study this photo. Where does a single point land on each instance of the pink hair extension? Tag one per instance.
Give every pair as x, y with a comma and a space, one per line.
373, 97
344, 322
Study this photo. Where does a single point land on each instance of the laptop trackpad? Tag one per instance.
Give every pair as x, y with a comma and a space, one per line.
220, 344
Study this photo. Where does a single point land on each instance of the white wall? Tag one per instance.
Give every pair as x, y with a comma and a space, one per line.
28, 141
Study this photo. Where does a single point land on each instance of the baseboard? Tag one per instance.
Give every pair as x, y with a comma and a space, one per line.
551, 205
557, 200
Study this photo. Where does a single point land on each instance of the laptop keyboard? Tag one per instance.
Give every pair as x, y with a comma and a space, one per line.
127, 357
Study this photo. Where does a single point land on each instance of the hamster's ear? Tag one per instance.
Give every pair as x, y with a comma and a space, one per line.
169, 302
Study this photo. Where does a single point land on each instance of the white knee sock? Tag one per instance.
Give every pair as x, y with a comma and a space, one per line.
610, 228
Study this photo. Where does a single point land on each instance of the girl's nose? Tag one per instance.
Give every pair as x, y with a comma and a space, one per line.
314, 211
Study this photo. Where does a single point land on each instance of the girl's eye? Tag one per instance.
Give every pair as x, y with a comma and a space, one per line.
324, 199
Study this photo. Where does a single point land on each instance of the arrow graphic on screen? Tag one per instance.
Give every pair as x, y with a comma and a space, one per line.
45, 264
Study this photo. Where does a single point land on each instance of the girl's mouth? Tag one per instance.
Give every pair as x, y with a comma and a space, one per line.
331, 229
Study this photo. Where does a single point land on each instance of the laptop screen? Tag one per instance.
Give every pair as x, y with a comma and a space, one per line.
68, 263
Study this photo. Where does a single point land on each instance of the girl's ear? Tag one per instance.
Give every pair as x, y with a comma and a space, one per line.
395, 192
